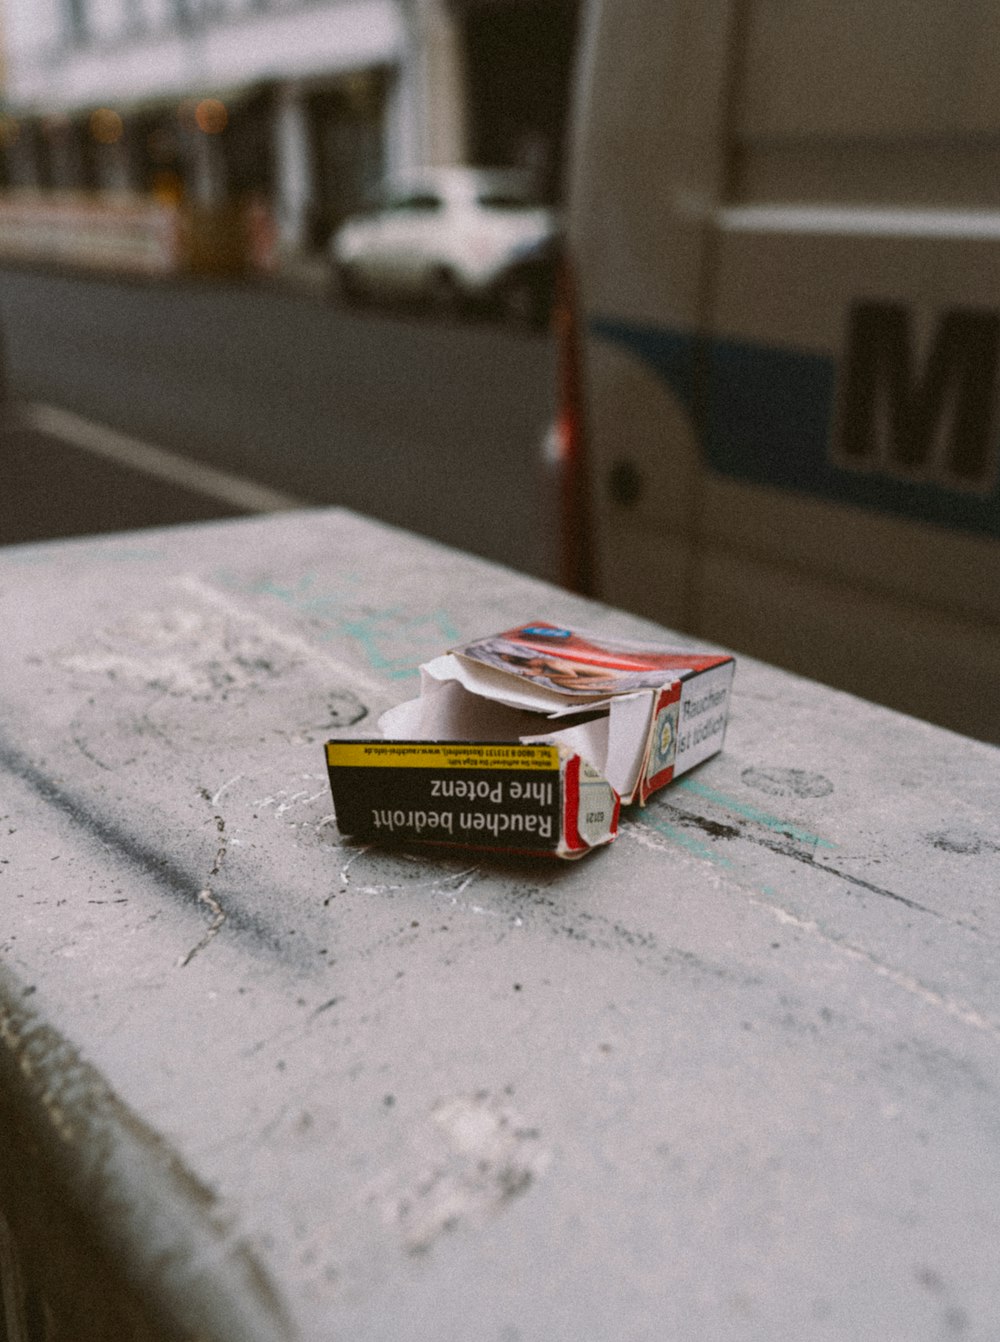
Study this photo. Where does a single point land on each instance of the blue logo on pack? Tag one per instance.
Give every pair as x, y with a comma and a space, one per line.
537, 631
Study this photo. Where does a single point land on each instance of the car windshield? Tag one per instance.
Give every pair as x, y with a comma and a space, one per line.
505, 200
416, 200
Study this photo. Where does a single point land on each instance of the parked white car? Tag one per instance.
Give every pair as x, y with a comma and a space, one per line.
452, 236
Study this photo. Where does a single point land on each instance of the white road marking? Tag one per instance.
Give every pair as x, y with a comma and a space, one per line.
157, 461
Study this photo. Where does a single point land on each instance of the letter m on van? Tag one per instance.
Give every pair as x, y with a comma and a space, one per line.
927, 418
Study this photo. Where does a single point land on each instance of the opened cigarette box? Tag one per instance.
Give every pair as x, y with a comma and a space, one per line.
530, 741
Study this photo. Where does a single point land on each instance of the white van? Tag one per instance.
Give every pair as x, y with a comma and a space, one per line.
780, 421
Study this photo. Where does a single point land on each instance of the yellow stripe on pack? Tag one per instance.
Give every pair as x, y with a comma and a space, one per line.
438, 755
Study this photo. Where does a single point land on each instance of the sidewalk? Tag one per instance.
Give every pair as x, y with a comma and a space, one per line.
303, 273
142, 238
307, 272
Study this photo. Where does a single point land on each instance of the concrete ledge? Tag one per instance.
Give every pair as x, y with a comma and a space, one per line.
734, 1076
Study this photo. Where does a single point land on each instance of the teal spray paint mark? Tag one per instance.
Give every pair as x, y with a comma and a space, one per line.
753, 814
392, 640
686, 841
698, 848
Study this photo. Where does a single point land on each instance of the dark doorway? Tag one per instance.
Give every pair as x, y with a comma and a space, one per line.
520, 57
249, 147
347, 133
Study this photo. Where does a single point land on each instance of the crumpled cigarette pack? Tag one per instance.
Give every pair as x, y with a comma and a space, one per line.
531, 741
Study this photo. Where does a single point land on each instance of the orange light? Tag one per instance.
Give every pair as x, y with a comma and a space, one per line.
106, 126
211, 116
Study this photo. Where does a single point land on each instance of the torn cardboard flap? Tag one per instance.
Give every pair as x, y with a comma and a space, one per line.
609, 721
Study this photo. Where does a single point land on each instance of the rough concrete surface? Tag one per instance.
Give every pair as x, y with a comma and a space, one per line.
734, 1077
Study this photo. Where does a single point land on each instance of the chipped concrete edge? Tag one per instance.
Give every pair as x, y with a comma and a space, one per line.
171, 1242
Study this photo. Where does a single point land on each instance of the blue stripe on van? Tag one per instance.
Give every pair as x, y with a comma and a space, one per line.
769, 421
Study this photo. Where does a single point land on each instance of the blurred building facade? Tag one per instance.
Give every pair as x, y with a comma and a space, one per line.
301, 104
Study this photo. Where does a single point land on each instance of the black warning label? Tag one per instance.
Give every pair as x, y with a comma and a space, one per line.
510, 807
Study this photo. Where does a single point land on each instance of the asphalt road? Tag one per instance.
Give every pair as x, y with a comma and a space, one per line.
429, 425
52, 489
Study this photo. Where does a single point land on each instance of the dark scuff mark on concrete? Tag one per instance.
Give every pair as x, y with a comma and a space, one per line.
965, 843
787, 845
478, 1155
87, 753
345, 710
778, 782
161, 870
206, 895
